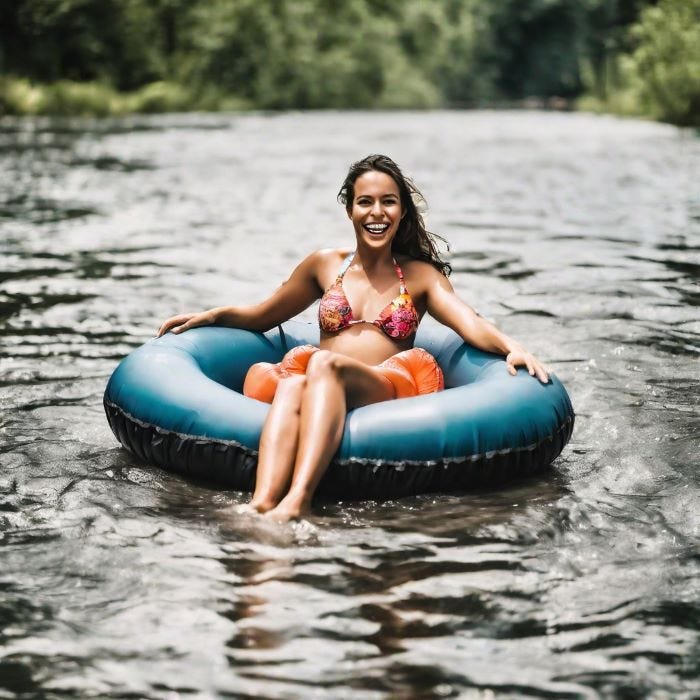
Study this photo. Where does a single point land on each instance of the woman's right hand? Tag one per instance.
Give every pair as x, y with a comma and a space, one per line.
183, 322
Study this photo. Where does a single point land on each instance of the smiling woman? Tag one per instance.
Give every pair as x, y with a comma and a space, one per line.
358, 361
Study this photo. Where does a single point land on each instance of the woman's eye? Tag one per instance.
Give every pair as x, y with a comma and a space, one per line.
368, 202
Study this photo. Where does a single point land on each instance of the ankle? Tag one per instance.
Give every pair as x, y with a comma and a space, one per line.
262, 505
299, 499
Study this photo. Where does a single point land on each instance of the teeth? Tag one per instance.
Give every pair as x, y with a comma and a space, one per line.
377, 228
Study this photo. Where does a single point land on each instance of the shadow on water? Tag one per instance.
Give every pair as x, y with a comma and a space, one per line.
498, 264
37, 210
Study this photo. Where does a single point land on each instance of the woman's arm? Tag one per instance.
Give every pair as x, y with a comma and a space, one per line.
289, 299
445, 306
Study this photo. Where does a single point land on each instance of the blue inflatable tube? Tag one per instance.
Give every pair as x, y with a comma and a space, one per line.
176, 402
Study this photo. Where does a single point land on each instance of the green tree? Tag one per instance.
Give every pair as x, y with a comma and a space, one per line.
536, 46
666, 61
607, 37
108, 40
315, 53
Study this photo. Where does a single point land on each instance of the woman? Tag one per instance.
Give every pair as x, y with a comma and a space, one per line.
359, 361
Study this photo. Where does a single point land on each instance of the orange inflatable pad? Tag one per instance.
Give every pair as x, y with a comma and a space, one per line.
411, 373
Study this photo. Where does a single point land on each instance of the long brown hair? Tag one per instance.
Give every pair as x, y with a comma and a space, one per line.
412, 238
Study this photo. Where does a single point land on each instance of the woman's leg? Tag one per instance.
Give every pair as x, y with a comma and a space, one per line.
278, 444
334, 383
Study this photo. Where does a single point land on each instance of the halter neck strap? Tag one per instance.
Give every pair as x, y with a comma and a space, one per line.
346, 264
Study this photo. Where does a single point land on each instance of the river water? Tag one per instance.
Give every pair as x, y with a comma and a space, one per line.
578, 234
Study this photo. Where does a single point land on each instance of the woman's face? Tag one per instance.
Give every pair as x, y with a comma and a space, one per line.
376, 209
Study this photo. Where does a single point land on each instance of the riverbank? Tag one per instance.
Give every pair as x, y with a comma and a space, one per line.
21, 97
66, 98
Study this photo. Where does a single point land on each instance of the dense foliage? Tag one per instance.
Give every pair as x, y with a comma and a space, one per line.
665, 65
148, 55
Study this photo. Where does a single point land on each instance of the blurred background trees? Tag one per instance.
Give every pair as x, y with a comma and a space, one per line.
111, 56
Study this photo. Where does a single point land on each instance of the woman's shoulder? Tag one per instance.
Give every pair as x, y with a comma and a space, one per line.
420, 275
326, 262
326, 256
414, 267
330, 257
333, 253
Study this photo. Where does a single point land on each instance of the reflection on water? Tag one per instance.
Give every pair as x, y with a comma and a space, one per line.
578, 234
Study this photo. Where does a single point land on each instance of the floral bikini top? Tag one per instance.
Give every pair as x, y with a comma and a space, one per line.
399, 319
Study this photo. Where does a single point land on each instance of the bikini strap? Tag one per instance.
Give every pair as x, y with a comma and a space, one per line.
344, 267
346, 264
399, 272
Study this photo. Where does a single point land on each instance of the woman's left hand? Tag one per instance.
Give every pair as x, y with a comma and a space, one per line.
522, 358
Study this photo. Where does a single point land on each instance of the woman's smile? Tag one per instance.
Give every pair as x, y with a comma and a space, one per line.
376, 229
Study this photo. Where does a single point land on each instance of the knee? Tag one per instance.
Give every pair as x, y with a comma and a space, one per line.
290, 389
323, 363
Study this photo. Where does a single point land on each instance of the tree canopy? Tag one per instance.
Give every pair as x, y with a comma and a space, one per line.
306, 54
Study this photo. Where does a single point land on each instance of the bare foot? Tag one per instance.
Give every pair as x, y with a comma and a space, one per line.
254, 507
245, 509
286, 511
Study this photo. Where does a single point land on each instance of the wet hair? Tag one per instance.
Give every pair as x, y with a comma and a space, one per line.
412, 238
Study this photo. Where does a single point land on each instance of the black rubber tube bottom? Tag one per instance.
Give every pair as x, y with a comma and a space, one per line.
233, 465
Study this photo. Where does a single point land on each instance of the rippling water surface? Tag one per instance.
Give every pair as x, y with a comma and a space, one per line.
578, 234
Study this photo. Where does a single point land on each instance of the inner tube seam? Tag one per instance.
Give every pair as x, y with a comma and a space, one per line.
400, 465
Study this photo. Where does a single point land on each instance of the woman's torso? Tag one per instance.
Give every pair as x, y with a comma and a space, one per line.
369, 295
